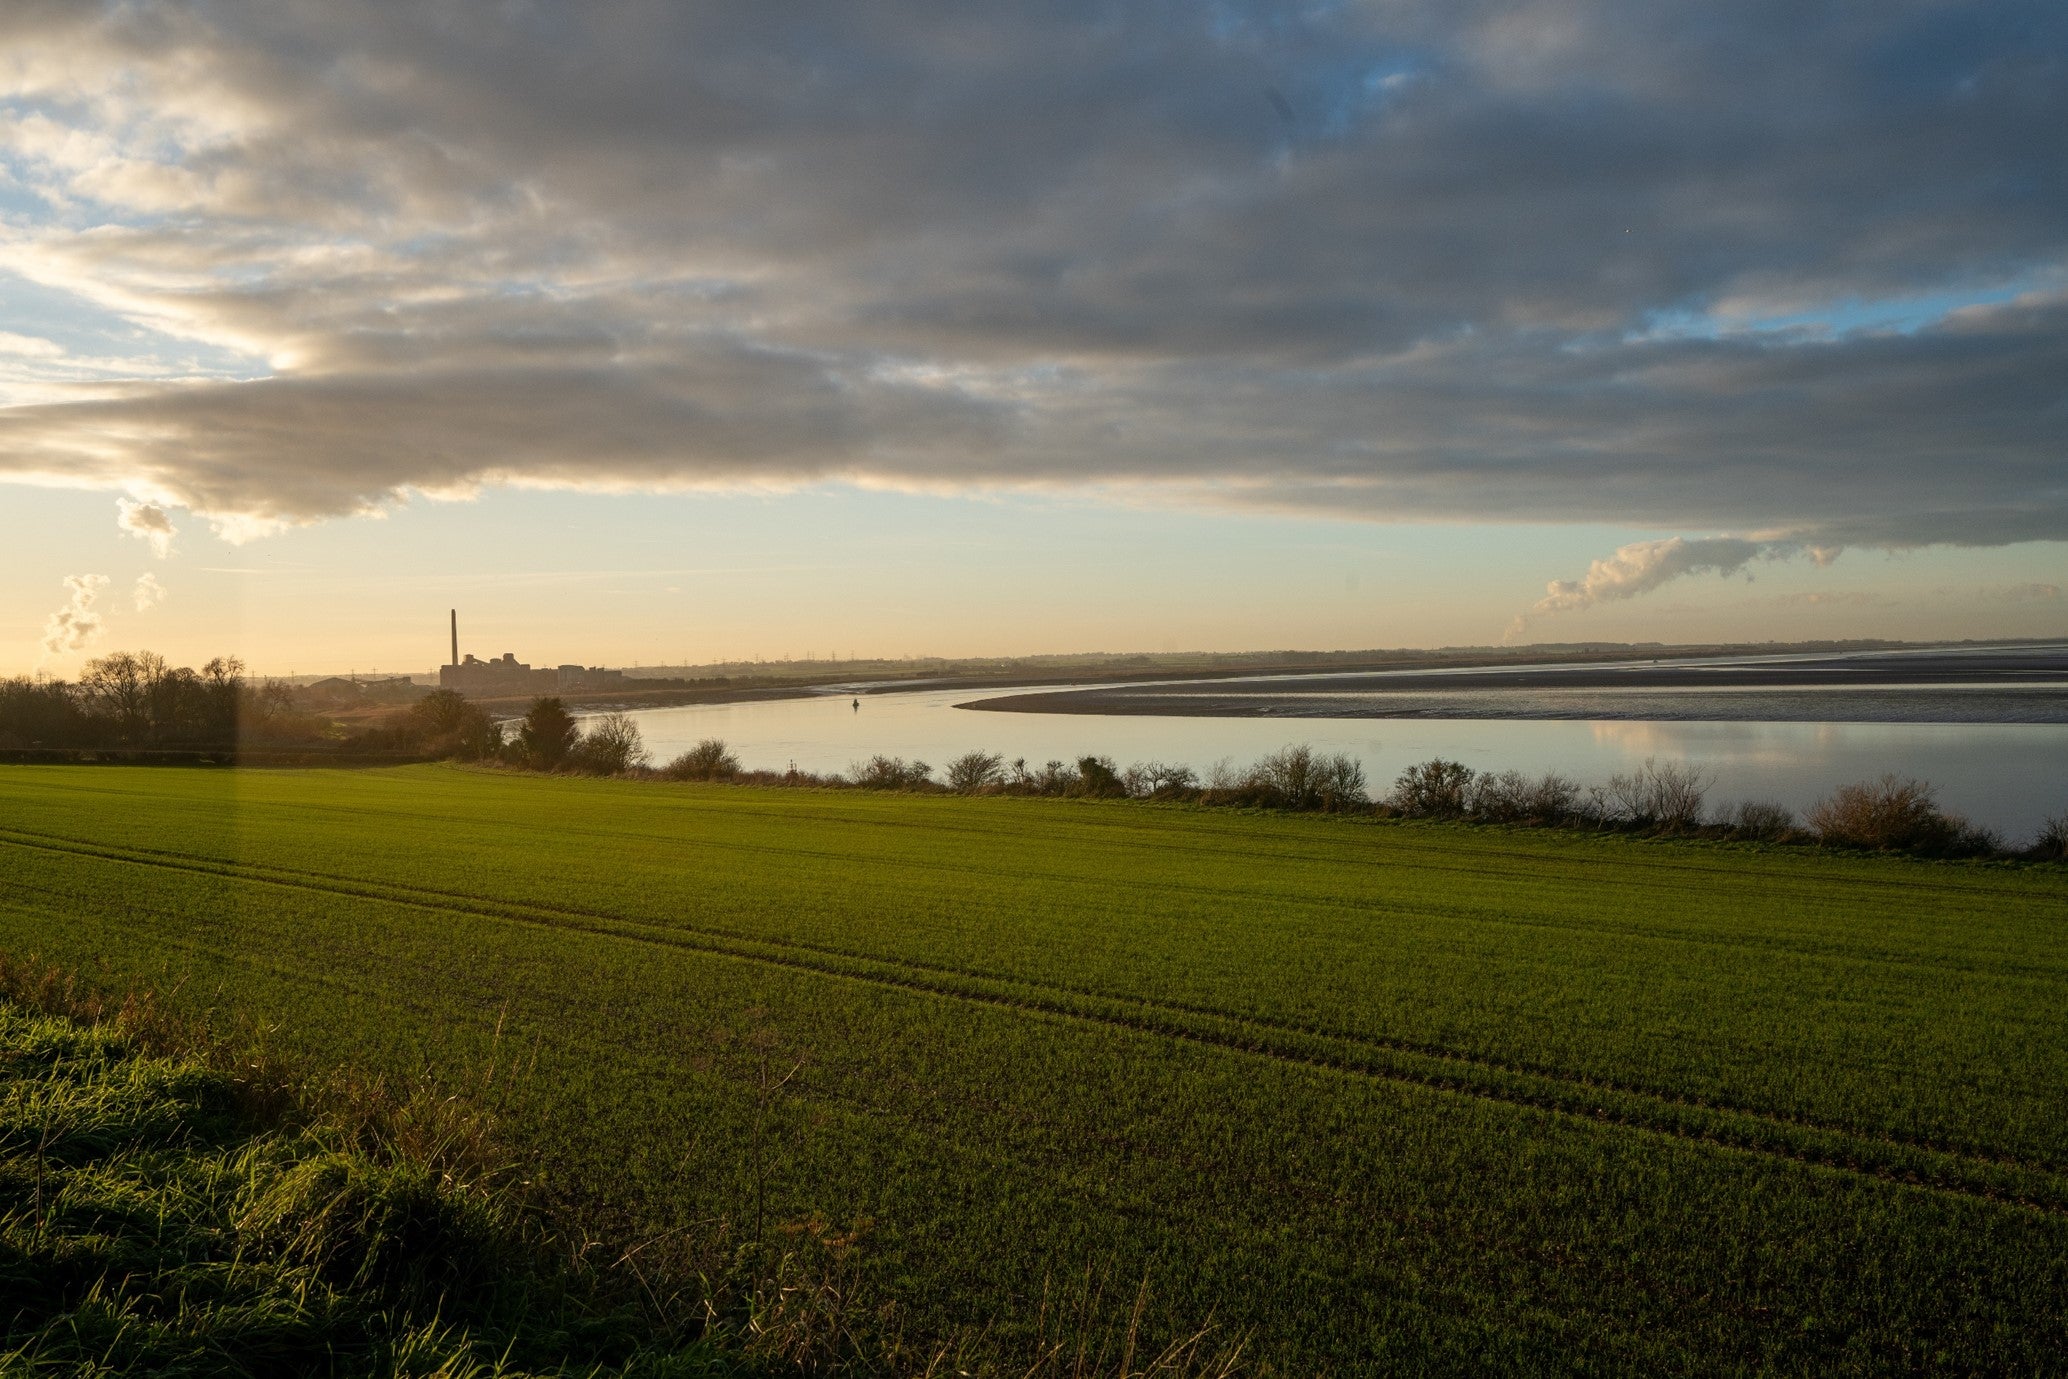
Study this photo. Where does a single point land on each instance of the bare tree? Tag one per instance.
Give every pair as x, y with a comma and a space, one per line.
1339, 782
1289, 775
1669, 796
975, 771
611, 747
119, 686
1435, 789
1675, 794
222, 682
1054, 778
1155, 780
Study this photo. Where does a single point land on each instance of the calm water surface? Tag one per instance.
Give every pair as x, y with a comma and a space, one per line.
2007, 776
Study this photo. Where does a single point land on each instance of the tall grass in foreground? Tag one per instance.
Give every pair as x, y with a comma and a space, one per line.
174, 1206
171, 1203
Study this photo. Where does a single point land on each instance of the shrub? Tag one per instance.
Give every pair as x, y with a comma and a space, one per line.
449, 726
1286, 777
1670, 797
1054, 778
1153, 780
1298, 777
1974, 840
1339, 783
1894, 812
611, 747
794, 777
1675, 794
975, 771
1511, 797
1099, 778
1620, 799
2052, 843
1554, 797
890, 773
1498, 798
1763, 821
1436, 789
710, 759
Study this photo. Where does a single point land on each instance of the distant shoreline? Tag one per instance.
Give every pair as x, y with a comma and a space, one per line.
1983, 685
1464, 668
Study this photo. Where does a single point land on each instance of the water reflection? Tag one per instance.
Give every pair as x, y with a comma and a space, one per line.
2007, 776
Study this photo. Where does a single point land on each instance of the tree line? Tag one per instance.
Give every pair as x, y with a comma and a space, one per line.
136, 701
1665, 798
136, 704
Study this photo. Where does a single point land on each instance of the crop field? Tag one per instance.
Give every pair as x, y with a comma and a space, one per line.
1378, 1096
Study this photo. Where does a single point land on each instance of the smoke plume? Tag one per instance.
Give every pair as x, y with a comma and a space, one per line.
1643, 566
70, 628
147, 522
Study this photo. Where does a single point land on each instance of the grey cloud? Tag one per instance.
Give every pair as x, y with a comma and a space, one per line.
293, 449
1075, 243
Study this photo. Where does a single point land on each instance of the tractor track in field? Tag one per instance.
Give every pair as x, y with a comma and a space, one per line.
1921, 876
681, 933
1789, 945
1888, 1157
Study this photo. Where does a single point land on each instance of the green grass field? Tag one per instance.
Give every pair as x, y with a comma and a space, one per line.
1429, 1098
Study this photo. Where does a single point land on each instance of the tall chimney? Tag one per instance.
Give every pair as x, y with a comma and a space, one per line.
455, 636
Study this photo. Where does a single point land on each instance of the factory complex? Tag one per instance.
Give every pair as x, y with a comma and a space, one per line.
507, 675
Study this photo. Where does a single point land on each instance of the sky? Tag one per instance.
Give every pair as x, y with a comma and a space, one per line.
646, 331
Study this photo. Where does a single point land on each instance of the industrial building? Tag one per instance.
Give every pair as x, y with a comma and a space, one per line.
506, 675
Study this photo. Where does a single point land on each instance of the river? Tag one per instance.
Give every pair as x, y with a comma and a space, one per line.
2008, 776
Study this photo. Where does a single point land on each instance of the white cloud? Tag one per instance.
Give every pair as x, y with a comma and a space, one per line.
29, 346
148, 593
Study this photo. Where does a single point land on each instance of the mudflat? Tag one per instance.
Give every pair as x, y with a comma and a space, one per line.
1997, 684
